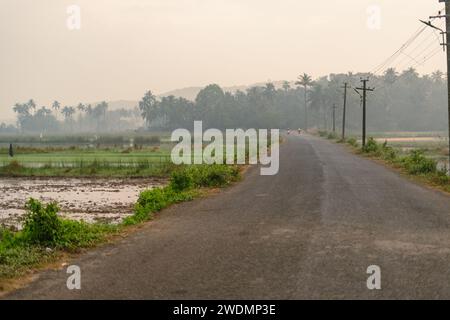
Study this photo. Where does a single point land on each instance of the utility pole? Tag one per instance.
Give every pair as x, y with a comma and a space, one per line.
334, 118
447, 26
364, 90
445, 44
344, 111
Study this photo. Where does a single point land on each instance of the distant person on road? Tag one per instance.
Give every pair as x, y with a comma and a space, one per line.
11, 151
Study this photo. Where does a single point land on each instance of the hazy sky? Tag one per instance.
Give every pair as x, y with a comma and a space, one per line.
125, 47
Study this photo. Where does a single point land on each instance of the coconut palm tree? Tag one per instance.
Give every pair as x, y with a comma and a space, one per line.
286, 86
305, 81
56, 106
437, 76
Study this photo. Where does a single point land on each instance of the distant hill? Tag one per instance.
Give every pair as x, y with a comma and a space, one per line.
191, 93
120, 104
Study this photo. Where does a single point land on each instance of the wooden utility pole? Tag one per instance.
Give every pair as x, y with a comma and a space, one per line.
344, 111
446, 41
334, 117
364, 90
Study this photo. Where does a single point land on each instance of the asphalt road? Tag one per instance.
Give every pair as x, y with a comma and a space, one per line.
309, 232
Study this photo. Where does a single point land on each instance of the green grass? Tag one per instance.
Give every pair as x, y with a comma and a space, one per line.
94, 169
78, 162
145, 138
45, 236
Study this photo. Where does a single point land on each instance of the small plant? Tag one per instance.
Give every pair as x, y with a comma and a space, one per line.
388, 152
416, 163
181, 180
42, 225
372, 147
353, 142
332, 136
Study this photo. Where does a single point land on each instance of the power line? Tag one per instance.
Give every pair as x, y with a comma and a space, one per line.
391, 59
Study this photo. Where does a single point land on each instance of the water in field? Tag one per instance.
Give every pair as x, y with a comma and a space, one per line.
80, 199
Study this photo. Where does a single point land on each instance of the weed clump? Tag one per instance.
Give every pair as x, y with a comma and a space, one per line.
416, 163
42, 225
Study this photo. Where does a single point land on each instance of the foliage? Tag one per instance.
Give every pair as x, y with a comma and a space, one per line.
181, 180
181, 188
371, 147
416, 163
332, 136
353, 142
42, 225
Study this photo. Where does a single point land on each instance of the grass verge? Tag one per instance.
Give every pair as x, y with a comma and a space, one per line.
415, 164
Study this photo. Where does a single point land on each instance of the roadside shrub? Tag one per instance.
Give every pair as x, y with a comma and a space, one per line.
353, 142
181, 180
441, 177
213, 175
42, 225
388, 152
5, 234
416, 163
372, 147
332, 136
76, 234
152, 201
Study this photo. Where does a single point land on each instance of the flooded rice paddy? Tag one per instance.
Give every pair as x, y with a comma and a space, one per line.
91, 200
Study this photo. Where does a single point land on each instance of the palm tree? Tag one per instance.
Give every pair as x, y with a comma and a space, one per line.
390, 76
286, 86
81, 107
68, 113
56, 106
305, 81
437, 76
32, 105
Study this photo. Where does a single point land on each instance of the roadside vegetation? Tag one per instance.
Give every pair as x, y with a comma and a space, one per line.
51, 160
414, 162
45, 236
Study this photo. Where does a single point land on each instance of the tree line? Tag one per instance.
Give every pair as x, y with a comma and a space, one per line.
58, 118
402, 101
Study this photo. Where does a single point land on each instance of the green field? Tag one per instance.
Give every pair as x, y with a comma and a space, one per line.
70, 157
86, 161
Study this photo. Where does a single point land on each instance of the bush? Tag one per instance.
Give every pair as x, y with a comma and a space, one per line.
75, 234
372, 147
213, 175
181, 180
42, 225
388, 152
416, 163
353, 142
180, 188
152, 201
332, 136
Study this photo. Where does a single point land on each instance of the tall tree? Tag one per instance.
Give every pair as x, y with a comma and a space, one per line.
148, 107
305, 81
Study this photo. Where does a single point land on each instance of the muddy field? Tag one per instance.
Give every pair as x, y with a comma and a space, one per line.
99, 200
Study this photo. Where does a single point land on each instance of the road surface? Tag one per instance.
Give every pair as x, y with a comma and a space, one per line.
309, 232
